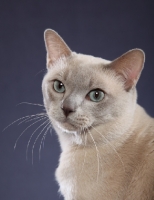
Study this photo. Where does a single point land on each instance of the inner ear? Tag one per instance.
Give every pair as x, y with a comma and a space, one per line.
55, 46
129, 67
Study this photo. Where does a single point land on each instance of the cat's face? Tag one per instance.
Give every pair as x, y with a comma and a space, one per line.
74, 83
81, 92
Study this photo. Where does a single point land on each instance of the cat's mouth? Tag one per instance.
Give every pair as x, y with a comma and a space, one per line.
72, 126
67, 127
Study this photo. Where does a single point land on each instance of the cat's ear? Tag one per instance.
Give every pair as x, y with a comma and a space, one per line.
55, 46
129, 67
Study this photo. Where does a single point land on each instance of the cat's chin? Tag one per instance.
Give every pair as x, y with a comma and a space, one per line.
66, 127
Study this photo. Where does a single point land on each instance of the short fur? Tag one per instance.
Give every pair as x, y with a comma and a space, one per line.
107, 146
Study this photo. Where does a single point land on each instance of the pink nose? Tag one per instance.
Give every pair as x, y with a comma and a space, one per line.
67, 110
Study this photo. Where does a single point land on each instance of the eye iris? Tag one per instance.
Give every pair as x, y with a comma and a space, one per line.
96, 95
59, 86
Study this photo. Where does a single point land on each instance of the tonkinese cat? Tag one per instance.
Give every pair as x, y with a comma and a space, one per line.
107, 139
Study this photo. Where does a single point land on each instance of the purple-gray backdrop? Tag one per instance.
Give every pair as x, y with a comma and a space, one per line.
102, 28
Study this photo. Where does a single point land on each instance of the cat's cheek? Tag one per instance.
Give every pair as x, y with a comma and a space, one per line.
49, 94
47, 103
54, 114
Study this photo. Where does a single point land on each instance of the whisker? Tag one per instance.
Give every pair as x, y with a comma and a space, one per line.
15, 122
111, 147
28, 116
84, 160
32, 136
85, 153
24, 132
97, 151
76, 148
85, 137
39, 72
51, 130
45, 135
37, 139
34, 104
42, 141
32, 118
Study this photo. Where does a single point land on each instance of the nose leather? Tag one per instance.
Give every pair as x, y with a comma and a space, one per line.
67, 110
68, 106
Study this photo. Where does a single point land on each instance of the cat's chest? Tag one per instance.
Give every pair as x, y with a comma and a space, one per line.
81, 172
80, 162
75, 172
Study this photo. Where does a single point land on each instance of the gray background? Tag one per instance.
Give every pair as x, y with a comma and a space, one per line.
101, 28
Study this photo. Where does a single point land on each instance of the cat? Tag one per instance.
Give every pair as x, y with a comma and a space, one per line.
106, 138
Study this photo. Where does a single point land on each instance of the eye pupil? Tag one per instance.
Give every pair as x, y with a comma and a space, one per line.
60, 85
96, 94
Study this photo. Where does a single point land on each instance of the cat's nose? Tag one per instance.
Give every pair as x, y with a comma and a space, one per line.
67, 110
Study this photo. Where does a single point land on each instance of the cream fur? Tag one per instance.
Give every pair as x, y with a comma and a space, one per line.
107, 147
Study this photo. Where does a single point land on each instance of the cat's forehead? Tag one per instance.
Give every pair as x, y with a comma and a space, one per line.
81, 68
82, 71
86, 62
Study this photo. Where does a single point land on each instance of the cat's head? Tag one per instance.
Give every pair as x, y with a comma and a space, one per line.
81, 91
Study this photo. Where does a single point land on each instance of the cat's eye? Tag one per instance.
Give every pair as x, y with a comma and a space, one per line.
96, 95
58, 86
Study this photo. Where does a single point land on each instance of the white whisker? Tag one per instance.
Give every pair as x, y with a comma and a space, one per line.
32, 136
37, 139
28, 116
24, 132
73, 156
45, 135
34, 104
32, 118
111, 147
39, 72
85, 137
97, 151
85, 153
42, 140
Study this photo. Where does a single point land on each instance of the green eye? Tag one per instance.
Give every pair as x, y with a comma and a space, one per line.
96, 95
58, 86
